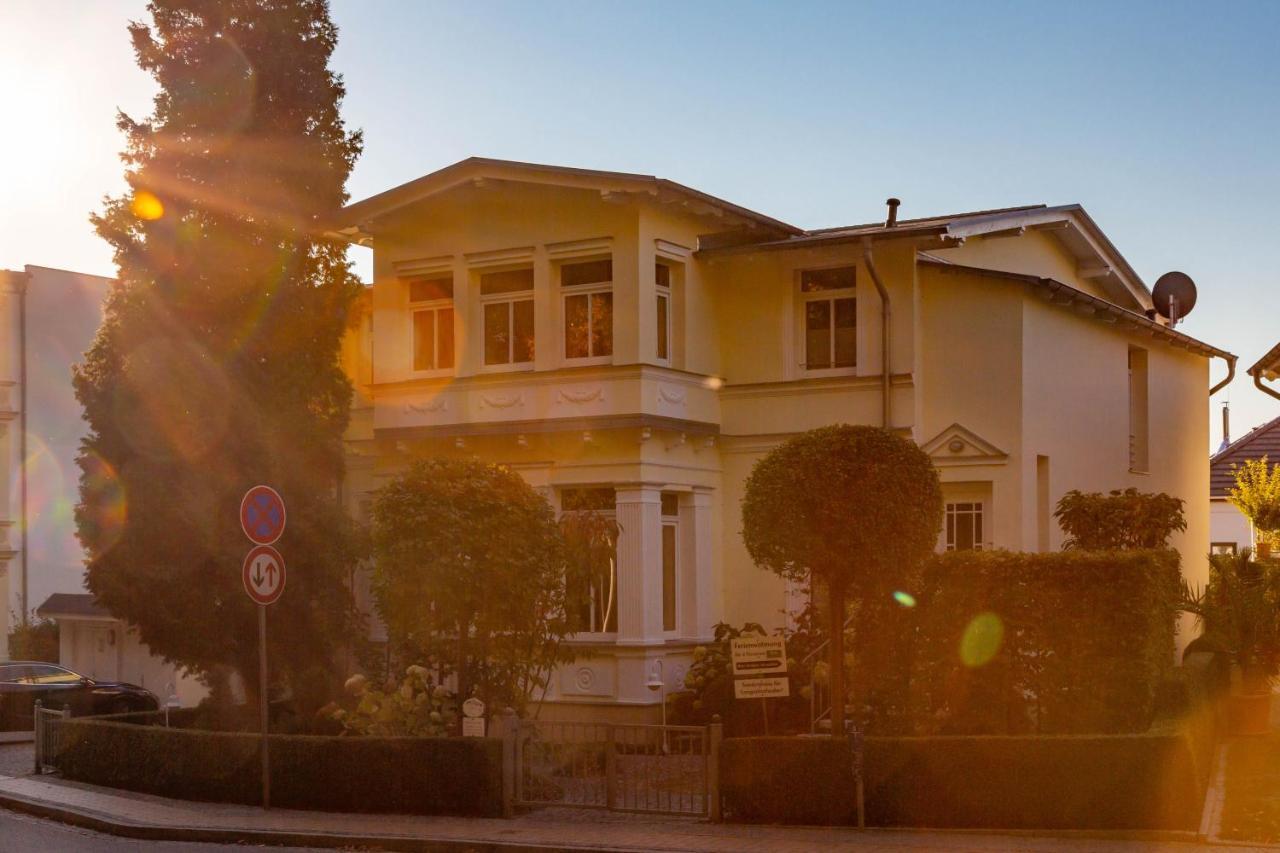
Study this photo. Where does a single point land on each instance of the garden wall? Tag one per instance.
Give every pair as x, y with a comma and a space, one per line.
1150, 780
429, 776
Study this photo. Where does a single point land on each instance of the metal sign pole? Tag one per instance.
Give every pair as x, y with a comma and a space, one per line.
262, 701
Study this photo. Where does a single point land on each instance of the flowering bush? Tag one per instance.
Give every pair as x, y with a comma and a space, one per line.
415, 708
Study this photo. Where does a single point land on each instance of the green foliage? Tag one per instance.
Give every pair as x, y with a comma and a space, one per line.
1120, 519
854, 503
1054, 643
36, 639
416, 707
1240, 613
470, 577
853, 507
428, 776
217, 364
1256, 493
1148, 780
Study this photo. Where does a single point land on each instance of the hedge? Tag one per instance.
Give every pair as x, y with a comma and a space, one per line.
428, 776
1088, 638
1150, 780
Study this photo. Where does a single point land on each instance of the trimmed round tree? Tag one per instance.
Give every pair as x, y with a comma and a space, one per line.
852, 507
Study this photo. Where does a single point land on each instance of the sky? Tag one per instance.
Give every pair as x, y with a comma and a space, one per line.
1160, 118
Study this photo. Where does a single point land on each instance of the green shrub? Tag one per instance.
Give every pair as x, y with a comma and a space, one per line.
1073, 642
1149, 780
1119, 520
444, 776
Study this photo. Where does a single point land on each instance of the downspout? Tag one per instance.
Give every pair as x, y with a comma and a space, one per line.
886, 416
1257, 382
23, 462
1231, 374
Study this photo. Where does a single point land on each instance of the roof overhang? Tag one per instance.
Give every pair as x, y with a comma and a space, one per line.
353, 222
1267, 367
1060, 293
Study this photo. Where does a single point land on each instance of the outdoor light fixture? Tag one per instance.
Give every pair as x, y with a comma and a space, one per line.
659, 683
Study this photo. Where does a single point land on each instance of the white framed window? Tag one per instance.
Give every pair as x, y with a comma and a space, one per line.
506, 305
964, 527
431, 313
587, 289
593, 600
662, 282
670, 561
829, 318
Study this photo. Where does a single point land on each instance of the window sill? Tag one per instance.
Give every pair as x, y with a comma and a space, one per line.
587, 361
817, 373
443, 373
519, 367
1143, 471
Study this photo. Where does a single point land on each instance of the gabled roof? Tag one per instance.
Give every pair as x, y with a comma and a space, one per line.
1057, 291
349, 220
1257, 443
73, 604
1267, 367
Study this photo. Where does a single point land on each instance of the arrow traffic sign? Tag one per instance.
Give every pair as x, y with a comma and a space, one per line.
263, 574
262, 515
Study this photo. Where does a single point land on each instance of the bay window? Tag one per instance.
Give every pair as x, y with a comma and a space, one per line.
587, 287
662, 279
431, 309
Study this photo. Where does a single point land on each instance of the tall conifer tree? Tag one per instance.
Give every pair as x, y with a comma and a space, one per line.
217, 364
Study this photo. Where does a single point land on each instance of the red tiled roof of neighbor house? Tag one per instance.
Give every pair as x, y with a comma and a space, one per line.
1257, 443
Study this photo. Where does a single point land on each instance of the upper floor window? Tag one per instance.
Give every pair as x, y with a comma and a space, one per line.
431, 305
662, 278
830, 316
588, 308
506, 299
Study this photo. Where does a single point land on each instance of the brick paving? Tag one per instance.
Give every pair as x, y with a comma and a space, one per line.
549, 828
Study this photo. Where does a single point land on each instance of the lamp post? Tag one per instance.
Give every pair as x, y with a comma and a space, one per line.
657, 681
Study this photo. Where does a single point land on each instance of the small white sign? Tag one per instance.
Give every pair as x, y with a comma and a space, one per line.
473, 707
473, 726
769, 687
759, 656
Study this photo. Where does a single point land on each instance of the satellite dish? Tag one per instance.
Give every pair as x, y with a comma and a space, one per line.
1174, 296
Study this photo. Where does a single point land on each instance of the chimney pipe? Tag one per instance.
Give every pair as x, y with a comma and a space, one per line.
893, 212
1226, 427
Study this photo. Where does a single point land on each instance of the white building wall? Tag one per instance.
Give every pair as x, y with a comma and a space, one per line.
1228, 524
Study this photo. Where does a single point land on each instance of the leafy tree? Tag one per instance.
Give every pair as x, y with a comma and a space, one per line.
33, 639
216, 366
1119, 520
470, 576
854, 507
1256, 493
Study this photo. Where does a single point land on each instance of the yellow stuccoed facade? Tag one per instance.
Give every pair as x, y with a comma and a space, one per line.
1020, 357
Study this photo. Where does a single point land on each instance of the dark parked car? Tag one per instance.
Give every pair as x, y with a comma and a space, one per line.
23, 682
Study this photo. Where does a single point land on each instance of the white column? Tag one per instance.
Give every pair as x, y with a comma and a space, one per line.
697, 597
548, 346
639, 515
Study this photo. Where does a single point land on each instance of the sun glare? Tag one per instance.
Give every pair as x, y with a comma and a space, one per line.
146, 205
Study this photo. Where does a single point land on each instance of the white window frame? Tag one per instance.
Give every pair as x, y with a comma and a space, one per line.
664, 292
433, 306
802, 337
950, 522
611, 514
587, 290
510, 298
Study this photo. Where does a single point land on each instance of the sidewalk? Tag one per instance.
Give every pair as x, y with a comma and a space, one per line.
142, 816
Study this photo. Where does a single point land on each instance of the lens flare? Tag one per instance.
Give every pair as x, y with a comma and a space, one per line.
105, 508
982, 639
713, 383
906, 599
146, 205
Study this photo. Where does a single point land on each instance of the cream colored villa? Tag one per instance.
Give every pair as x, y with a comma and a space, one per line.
630, 344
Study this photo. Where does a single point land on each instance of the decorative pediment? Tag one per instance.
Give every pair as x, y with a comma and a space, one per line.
957, 445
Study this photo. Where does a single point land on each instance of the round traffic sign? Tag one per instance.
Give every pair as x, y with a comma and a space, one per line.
262, 514
263, 574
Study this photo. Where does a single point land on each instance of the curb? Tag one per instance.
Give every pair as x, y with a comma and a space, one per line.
98, 822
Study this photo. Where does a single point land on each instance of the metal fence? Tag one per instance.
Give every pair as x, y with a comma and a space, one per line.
48, 736
633, 768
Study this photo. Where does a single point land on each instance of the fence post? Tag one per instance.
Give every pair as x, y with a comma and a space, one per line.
510, 731
37, 727
857, 744
611, 767
715, 736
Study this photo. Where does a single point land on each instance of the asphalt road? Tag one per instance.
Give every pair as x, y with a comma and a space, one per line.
24, 834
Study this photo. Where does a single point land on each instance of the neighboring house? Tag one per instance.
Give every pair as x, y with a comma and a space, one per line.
48, 317
1230, 531
1267, 369
94, 643
633, 345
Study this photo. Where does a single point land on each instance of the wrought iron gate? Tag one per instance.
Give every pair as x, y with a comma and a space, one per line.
633, 768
